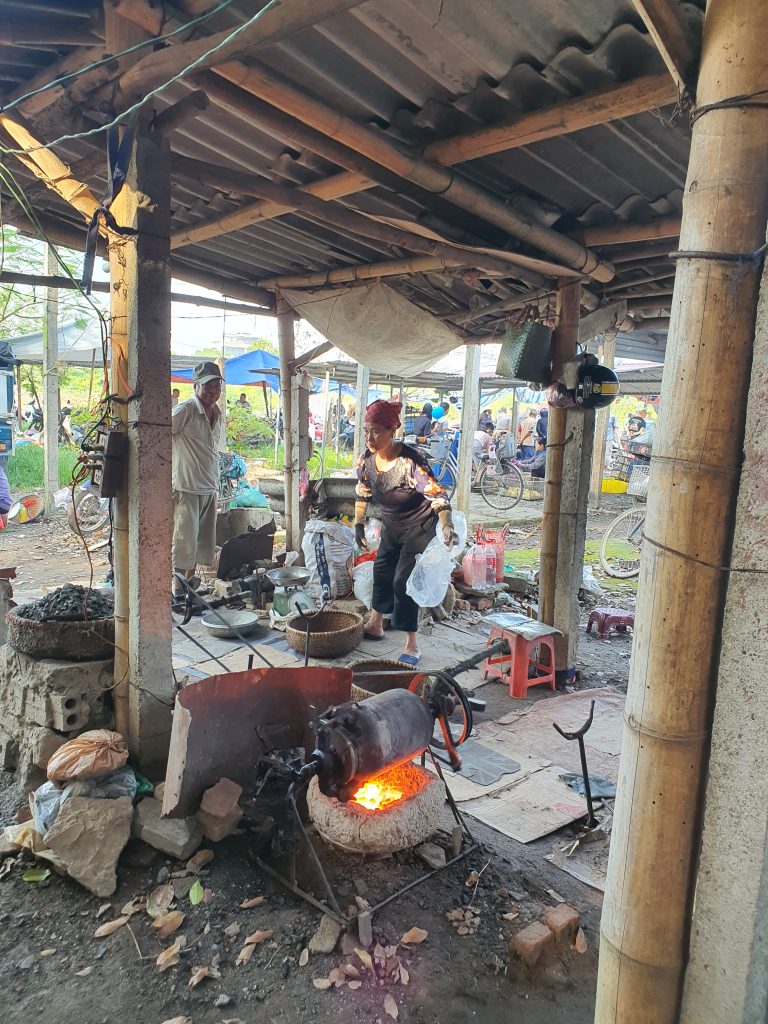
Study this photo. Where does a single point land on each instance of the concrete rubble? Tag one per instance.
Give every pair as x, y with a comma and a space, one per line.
43, 703
219, 813
327, 935
178, 837
88, 837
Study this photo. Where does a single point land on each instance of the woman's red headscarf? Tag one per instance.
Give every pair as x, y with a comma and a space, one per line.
384, 414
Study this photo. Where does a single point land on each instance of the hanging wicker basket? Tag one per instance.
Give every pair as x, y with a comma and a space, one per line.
524, 352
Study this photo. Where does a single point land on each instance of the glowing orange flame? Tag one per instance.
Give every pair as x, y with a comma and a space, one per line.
375, 796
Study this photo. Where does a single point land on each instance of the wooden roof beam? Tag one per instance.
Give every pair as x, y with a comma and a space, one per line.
616, 234
671, 33
561, 118
279, 22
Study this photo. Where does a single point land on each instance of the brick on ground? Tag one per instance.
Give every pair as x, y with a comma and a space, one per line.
532, 943
563, 922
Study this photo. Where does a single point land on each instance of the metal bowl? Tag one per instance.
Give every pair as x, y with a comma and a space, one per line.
289, 576
245, 622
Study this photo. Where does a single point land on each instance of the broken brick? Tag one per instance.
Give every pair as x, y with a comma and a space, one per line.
532, 943
215, 828
178, 837
563, 921
221, 800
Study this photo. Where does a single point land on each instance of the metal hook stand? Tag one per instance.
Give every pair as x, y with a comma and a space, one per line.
579, 736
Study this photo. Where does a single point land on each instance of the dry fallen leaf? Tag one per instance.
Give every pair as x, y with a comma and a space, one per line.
109, 927
304, 957
580, 942
414, 936
472, 879
84, 973
404, 975
201, 973
133, 906
337, 977
390, 1006
103, 909
354, 984
178, 1020
47, 952
159, 900
511, 915
245, 954
232, 930
170, 957
200, 859
168, 923
364, 957
207, 895
349, 970
258, 937
255, 902
322, 983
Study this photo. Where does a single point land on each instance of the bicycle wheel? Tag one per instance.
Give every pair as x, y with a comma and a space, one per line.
501, 485
444, 474
90, 512
621, 544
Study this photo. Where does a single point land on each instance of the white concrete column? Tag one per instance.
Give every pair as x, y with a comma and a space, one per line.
361, 401
727, 977
470, 413
51, 383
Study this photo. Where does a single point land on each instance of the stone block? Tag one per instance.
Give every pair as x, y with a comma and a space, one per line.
432, 855
88, 836
327, 935
178, 837
532, 943
221, 800
216, 828
563, 922
365, 929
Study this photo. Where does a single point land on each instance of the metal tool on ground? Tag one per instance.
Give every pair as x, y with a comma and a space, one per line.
579, 735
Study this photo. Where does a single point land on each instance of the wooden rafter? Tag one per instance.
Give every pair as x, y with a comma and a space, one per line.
669, 30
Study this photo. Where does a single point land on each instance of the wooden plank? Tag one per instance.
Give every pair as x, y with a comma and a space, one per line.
572, 115
669, 30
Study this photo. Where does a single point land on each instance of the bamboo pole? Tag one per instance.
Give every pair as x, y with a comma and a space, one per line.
616, 234
286, 344
51, 404
688, 530
564, 342
366, 272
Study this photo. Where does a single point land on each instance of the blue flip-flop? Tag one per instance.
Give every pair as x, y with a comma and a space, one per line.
411, 660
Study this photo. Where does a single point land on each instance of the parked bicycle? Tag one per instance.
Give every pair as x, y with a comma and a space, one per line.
496, 476
622, 542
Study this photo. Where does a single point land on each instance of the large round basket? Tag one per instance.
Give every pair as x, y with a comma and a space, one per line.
66, 640
378, 675
331, 634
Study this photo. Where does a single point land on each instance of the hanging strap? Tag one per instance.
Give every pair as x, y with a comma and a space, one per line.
118, 161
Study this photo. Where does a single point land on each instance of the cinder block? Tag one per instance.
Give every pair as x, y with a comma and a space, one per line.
66, 712
563, 922
532, 943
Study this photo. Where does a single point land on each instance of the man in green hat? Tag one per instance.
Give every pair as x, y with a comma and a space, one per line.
196, 429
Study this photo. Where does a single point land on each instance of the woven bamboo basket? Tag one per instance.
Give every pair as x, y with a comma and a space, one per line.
76, 640
379, 684
331, 634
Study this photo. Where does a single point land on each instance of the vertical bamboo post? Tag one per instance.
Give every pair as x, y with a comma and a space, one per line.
688, 530
470, 413
51, 384
564, 342
287, 347
361, 401
607, 357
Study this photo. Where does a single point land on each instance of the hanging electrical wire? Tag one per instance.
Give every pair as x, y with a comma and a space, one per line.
110, 58
126, 114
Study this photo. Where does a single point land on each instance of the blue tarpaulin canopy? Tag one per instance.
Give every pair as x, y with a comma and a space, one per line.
243, 370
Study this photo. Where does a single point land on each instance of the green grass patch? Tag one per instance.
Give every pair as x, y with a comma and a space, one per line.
26, 467
528, 558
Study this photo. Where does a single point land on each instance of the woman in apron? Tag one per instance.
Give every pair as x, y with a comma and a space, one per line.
413, 504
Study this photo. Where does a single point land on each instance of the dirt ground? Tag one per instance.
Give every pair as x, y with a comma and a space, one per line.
452, 978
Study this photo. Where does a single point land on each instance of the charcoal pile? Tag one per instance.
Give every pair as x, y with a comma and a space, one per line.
70, 603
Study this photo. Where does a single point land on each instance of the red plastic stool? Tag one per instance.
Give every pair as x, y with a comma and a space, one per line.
604, 618
525, 655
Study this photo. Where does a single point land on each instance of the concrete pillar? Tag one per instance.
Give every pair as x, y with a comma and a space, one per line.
470, 413
726, 981
607, 355
141, 366
572, 535
361, 401
51, 383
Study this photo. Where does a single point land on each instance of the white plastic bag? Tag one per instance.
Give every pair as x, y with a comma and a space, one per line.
428, 583
362, 580
373, 534
50, 796
328, 552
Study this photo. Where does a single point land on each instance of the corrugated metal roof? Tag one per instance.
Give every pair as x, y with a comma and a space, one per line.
418, 70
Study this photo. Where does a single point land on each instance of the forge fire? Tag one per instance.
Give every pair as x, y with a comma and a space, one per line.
381, 791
